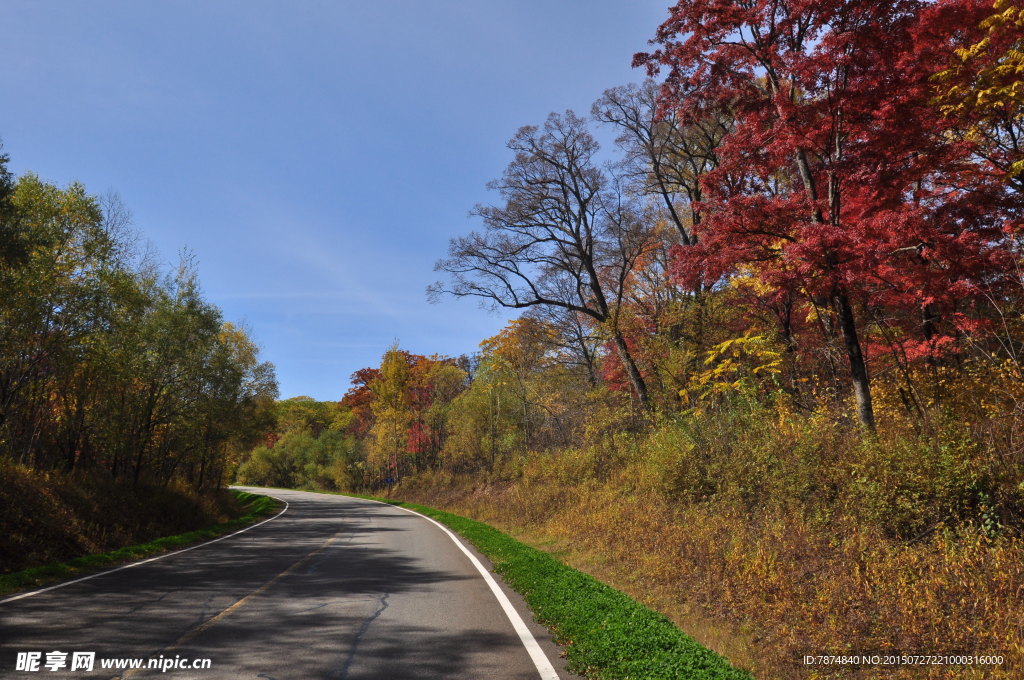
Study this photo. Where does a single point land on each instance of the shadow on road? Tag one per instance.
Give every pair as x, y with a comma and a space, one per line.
303, 597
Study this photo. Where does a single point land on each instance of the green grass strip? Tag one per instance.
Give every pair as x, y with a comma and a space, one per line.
255, 506
606, 633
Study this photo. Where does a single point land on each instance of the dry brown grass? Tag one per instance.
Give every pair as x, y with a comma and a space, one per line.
767, 581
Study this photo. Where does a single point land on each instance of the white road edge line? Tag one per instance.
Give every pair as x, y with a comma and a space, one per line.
151, 559
540, 660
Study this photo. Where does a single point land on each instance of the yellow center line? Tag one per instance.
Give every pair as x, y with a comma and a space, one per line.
209, 623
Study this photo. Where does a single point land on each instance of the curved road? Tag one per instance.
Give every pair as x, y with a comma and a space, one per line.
335, 587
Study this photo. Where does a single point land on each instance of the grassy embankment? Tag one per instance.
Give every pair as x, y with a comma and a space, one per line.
54, 526
768, 539
607, 634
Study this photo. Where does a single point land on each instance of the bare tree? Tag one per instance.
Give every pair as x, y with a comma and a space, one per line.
665, 159
567, 236
664, 156
574, 341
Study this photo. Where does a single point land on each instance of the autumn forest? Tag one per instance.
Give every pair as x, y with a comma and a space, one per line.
764, 368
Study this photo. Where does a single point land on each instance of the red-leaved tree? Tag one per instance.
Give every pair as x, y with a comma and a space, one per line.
838, 182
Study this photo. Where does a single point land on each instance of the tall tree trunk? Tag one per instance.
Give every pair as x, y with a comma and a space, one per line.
858, 367
635, 379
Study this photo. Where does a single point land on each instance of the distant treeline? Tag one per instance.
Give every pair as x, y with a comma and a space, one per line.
107, 362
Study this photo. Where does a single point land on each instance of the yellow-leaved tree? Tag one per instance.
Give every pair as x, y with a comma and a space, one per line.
389, 435
984, 86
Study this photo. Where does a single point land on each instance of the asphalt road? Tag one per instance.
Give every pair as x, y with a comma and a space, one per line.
335, 587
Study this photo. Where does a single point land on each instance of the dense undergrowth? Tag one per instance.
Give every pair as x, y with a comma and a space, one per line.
88, 521
771, 538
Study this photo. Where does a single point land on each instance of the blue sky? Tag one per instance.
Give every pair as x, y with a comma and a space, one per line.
314, 156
